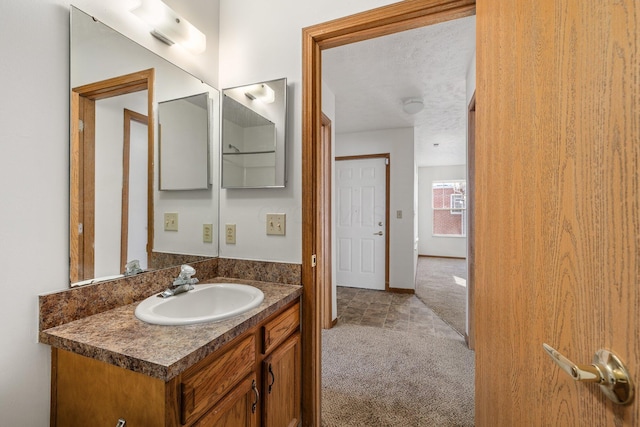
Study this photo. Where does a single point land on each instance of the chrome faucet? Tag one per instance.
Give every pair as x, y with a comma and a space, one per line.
183, 283
132, 267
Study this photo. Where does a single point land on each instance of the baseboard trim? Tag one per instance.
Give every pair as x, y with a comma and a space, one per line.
402, 290
441, 256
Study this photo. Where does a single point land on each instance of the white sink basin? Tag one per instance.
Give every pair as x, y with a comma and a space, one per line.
205, 303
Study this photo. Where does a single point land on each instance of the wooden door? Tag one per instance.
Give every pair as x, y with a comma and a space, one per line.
361, 222
557, 213
281, 385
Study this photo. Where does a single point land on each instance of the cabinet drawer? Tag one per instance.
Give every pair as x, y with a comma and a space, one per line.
205, 386
277, 330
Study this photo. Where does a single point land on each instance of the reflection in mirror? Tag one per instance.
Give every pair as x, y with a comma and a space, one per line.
183, 133
101, 172
117, 210
253, 135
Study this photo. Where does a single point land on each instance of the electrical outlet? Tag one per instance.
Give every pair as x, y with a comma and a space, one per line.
399, 214
207, 233
230, 234
276, 224
170, 221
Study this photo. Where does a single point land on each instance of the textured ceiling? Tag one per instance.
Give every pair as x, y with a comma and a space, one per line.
371, 79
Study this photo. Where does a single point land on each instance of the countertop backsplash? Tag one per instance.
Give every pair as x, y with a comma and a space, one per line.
72, 304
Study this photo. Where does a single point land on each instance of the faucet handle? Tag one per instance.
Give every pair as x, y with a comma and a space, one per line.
132, 267
186, 271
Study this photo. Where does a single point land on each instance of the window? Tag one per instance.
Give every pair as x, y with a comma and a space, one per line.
449, 205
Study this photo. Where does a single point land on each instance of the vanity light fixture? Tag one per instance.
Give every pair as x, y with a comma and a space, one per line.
261, 92
169, 27
412, 105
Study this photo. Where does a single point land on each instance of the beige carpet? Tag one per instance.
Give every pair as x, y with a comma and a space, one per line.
438, 286
374, 377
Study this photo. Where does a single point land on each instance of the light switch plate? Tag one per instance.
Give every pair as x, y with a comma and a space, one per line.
230, 234
170, 221
276, 224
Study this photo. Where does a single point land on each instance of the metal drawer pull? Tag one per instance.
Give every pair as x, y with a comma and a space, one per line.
255, 390
121, 423
273, 378
607, 370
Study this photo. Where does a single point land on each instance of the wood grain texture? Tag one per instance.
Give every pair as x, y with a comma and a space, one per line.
281, 385
277, 330
235, 409
557, 207
208, 381
114, 393
324, 244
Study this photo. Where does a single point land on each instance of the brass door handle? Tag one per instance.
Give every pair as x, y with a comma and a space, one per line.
379, 233
607, 370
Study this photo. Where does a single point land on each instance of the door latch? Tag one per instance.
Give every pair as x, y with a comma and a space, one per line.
607, 370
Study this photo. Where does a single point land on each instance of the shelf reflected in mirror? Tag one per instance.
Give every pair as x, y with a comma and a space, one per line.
254, 135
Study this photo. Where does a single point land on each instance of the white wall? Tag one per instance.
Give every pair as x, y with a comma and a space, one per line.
34, 179
108, 179
471, 78
399, 144
261, 41
429, 244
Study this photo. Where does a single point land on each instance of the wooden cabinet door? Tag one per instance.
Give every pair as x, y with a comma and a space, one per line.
281, 385
237, 409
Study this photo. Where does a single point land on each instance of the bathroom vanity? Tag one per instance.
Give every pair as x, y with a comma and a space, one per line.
112, 368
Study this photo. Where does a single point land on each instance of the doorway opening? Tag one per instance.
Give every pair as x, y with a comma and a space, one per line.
82, 215
375, 23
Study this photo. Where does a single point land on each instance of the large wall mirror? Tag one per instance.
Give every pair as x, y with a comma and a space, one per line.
117, 203
254, 135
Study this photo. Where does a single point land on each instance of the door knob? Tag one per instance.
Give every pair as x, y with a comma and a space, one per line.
607, 370
379, 233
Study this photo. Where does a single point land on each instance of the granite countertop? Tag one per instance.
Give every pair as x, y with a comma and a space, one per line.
119, 338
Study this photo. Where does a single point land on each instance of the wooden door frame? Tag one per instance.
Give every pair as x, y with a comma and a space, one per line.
387, 196
130, 116
324, 253
87, 95
402, 16
471, 254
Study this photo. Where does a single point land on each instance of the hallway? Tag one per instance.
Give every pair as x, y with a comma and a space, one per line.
441, 286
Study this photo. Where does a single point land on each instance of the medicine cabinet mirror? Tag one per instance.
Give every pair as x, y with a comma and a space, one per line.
183, 134
254, 135
116, 207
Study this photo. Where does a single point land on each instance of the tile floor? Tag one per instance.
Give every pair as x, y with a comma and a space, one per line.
401, 312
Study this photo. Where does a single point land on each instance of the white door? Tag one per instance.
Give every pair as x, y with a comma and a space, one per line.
360, 223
